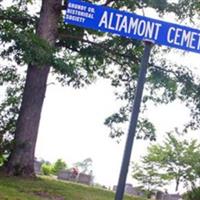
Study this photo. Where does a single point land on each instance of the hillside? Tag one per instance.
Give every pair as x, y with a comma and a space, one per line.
49, 189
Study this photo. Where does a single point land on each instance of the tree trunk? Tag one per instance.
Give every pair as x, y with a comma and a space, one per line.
21, 160
177, 184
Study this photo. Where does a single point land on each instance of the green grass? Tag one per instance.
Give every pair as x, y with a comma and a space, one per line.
13, 188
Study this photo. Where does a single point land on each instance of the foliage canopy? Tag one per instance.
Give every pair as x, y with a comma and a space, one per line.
175, 159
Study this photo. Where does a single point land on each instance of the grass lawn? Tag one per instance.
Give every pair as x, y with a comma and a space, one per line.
12, 188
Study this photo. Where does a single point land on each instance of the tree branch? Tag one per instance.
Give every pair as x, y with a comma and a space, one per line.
108, 2
166, 70
109, 56
17, 19
101, 46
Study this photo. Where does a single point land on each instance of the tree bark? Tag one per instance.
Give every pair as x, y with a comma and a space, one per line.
177, 184
21, 160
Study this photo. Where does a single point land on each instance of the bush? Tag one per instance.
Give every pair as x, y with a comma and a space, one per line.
192, 195
58, 166
1, 160
47, 169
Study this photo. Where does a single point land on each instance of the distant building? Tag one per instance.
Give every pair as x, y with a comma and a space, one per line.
80, 178
172, 197
133, 191
163, 196
158, 195
67, 175
37, 167
85, 179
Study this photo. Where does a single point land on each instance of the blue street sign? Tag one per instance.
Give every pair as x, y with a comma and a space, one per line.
130, 25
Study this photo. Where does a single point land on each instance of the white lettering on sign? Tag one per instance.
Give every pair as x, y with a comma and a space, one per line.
77, 6
110, 22
132, 25
104, 20
75, 18
129, 25
124, 25
80, 13
141, 28
181, 37
119, 16
169, 39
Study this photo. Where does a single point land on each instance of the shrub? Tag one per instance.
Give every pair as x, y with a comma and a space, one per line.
58, 166
192, 195
47, 169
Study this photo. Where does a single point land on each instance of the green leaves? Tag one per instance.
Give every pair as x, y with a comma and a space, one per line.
84, 166
58, 166
9, 108
148, 175
185, 8
28, 48
174, 160
34, 50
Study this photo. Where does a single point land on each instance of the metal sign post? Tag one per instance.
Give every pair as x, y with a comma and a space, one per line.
133, 122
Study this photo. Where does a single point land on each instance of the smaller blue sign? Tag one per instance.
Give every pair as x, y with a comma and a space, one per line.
130, 25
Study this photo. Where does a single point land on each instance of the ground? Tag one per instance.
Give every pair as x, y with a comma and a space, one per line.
43, 188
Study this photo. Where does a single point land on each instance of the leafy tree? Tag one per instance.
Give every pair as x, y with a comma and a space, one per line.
192, 195
12, 83
58, 166
175, 159
76, 57
47, 169
84, 166
148, 176
185, 8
